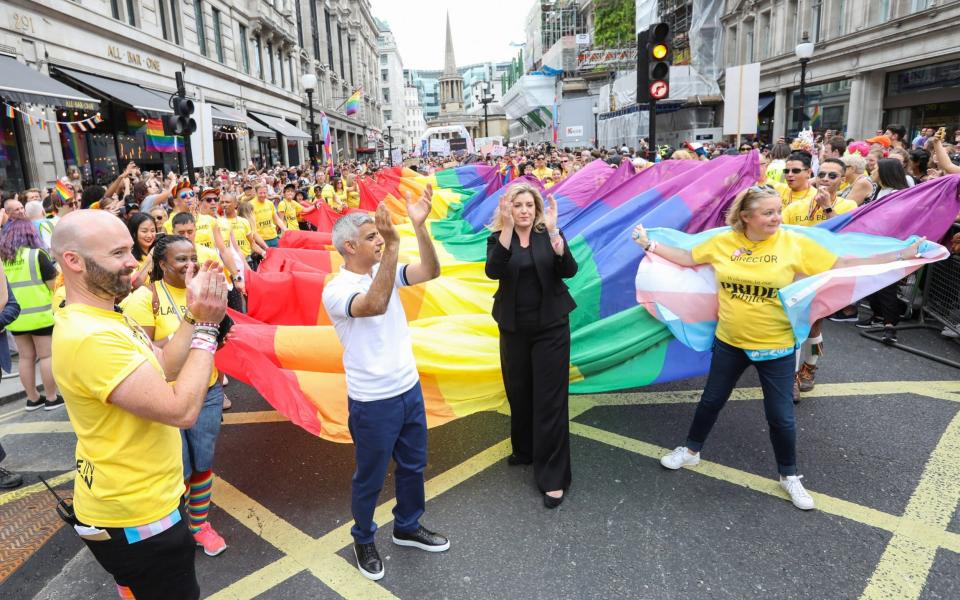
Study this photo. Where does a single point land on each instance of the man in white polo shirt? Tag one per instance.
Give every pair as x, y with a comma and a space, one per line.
385, 401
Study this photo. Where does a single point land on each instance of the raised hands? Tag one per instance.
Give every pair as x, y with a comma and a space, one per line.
385, 225
550, 213
207, 292
506, 213
419, 211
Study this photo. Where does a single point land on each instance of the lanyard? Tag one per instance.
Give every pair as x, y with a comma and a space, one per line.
173, 304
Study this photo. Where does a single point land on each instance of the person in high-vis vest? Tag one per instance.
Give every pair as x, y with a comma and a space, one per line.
31, 274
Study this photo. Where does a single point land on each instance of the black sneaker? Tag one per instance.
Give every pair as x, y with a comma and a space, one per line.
889, 335
868, 322
844, 317
53, 404
422, 538
33, 405
9, 480
368, 561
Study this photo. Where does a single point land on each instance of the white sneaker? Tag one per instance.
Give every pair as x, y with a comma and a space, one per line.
799, 496
680, 457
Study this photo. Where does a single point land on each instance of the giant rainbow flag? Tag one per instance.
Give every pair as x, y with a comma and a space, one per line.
286, 348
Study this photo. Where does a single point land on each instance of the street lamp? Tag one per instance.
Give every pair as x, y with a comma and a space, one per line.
804, 51
309, 83
596, 140
485, 99
389, 125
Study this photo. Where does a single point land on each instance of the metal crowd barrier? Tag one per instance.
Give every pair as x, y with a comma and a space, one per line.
940, 301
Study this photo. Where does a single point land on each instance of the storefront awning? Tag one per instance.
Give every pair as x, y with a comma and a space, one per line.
222, 115
259, 129
127, 94
764, 102
291, 132
20, 83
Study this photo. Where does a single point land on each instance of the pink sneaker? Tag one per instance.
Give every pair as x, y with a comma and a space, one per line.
211, 541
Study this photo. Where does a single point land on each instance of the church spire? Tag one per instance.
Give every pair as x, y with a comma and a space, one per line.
449, 62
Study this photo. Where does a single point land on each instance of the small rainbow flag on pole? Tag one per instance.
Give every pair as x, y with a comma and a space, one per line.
816, 118
352, 105
157, 142
62, 190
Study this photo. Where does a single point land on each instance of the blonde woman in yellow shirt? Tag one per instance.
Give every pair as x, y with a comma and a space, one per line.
752, 262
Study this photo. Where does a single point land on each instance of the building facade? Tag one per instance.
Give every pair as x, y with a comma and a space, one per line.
242, 64
415, 123
340, 47
875, 62
393, 88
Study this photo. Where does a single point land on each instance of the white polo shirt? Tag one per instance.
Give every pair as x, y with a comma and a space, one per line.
377, 351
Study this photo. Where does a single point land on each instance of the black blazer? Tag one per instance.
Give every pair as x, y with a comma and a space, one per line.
551, 271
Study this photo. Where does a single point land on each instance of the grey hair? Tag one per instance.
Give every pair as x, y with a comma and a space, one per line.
347, 229
34, 210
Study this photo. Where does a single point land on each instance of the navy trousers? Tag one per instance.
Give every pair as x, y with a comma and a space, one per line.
395, 427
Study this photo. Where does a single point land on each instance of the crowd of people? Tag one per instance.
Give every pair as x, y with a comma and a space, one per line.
131, 281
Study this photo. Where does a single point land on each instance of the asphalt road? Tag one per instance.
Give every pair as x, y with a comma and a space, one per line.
879, 446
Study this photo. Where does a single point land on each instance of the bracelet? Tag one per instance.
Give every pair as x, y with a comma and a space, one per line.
188, 317
198, 344
651, 246
555, 234
207, 324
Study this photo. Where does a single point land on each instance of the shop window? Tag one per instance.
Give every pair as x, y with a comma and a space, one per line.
12, 178
175, 20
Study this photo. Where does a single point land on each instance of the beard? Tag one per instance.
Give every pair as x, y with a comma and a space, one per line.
104, 282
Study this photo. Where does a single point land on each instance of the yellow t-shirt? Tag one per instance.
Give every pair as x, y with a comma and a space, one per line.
168, 224
205, 225
543, 173
263, 213
290, 211
798, 213
750, 275
129, 469
353, 199
166, 319
327, 194
240, 228
788, 196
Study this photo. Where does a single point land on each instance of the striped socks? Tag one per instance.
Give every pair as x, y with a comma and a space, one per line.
198, 500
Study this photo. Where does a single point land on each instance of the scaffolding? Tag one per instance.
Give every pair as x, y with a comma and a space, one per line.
677, 15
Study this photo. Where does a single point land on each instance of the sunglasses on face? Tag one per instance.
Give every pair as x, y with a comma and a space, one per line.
185, 195
794, 171
210, 200
829, 175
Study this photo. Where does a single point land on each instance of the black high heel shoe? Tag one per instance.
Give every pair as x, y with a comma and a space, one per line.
551, 502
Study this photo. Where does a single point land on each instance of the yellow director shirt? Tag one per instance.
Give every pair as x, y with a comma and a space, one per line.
240, 228
750, 276
290, 211
129, 469
788, 196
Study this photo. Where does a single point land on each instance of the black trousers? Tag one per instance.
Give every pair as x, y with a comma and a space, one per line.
157, 568
886, 305
535, 362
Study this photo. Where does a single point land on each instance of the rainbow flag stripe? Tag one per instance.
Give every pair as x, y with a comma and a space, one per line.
157, 141
62, 190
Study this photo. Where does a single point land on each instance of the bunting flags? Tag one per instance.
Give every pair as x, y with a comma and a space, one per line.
44, 123
352, 105
157, 141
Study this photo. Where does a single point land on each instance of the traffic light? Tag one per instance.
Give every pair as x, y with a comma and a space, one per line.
659, 58
180, 122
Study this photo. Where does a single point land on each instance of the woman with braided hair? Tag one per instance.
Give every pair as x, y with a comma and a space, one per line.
159, 307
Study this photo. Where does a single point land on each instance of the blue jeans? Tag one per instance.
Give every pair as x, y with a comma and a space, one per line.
395, 427
200, 441
776, 380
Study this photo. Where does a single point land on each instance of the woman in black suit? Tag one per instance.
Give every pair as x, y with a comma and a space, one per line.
529, 256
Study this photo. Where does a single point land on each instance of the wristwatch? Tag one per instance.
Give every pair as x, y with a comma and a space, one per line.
188, 317
828, 209
238, 277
